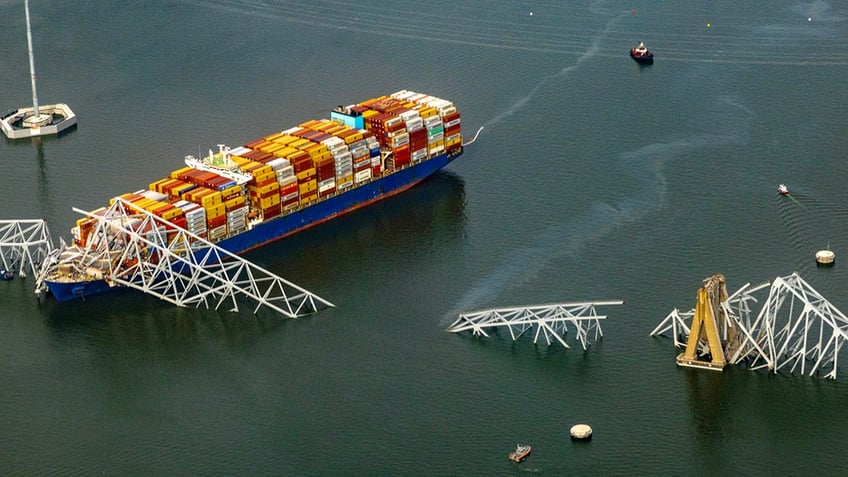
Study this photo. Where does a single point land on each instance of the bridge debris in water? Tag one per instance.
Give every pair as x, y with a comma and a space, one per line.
544, 321
796, 330
133, 248
24, 244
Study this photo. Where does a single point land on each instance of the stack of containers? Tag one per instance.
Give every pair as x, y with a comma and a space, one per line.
417, 135
376, 158
264, 189
342, 160
216, 211
195, 217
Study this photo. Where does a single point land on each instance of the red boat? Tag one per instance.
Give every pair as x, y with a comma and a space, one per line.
641, 54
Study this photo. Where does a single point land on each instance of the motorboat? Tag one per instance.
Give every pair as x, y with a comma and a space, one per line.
520, 453
782, 189
6, 274
641, 54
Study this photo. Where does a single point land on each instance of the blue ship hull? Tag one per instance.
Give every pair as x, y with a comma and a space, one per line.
294, 222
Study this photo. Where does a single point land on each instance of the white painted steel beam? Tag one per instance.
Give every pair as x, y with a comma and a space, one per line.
547, 322
796, 331
24, 244
137, 249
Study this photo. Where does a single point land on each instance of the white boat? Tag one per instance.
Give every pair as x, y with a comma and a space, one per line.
782, 189
520, 453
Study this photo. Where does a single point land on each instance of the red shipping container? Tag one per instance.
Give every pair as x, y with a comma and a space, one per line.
255, 143
216, 222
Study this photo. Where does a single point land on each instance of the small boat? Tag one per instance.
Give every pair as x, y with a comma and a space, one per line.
641, 54
782, 189
520, 453
6, 274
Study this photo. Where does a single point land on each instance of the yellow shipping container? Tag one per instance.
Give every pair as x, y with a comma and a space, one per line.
269, 201
239, 160
264, 176
427, 111
353, 138
341, 182
286, 139
271, 147
215, 211
212, 199
234, 203
236, 189
286, 151
177, 173
307, 186
306, 175
309, 124
274, 137
171, 214
301, 143
157, 186
266, 189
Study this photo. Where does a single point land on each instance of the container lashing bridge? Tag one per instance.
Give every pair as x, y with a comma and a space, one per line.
133, 248
797, 330
549, 322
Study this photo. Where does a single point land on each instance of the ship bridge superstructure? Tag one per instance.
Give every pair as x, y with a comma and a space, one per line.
796, 330
549, 323
134, 248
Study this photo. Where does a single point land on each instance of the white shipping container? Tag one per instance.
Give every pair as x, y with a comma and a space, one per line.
325, 188
452, 123
152, 194
375, 161
278, 163
400, 140
410, 115
362, 176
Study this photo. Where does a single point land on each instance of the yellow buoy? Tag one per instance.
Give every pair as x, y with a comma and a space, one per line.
708, 25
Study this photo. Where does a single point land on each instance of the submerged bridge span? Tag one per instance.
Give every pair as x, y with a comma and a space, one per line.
24, 244
796, 330
547, 322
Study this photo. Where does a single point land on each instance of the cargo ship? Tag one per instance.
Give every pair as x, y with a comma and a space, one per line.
244, 197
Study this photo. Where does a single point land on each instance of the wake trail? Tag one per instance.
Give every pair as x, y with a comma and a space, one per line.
567, 239
590, 52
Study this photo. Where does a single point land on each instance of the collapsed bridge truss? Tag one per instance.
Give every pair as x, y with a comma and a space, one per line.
134, 248
549, 322
796, 331
24, 244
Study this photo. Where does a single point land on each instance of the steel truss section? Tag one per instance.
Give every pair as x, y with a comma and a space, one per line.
797, 330
144, 252
547, 321
24, 244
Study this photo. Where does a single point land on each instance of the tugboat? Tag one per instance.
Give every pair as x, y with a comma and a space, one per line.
782, 189
520, 453
641, 54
